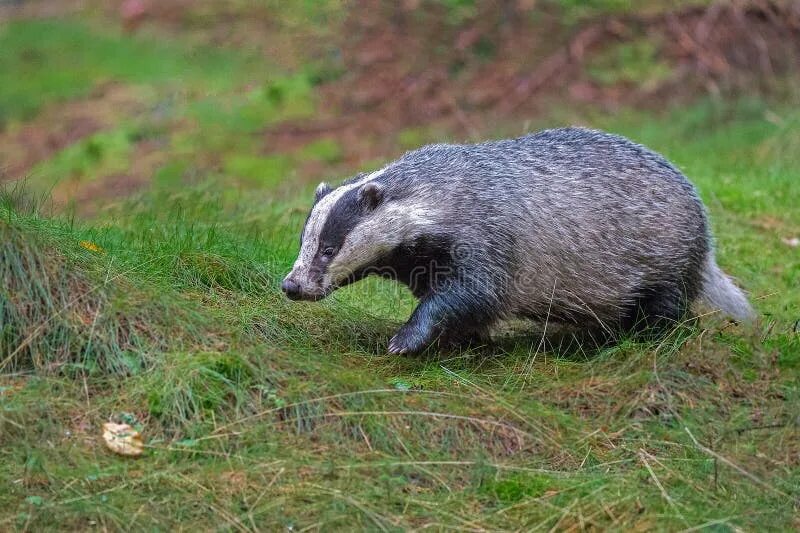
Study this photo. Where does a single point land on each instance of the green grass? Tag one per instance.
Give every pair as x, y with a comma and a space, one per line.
46, 61
264, 413
163, 311
635, 63
205, 108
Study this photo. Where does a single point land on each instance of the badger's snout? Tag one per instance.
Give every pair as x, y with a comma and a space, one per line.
294, 289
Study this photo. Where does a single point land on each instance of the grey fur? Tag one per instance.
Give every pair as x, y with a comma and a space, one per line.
569, 225
720, 294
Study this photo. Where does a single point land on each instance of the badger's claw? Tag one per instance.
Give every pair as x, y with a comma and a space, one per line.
406, 342
395, 348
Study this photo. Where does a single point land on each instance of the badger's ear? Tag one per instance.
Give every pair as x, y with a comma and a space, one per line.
371, 194
322, 189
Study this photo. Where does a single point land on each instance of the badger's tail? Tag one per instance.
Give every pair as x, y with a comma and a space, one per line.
720, 294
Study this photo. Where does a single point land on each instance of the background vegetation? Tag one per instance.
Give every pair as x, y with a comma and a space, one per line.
159, 159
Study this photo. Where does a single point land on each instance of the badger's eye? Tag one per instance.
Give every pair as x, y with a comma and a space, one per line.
328, 252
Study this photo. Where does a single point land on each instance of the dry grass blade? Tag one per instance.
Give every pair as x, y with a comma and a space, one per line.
377, 519
41, 327
643, 457
322, 399
431, 414
736, 467
497, 399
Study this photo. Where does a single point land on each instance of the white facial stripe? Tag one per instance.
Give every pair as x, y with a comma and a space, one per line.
368, 241
319, 215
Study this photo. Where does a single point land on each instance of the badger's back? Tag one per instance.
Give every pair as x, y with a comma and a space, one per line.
583, 222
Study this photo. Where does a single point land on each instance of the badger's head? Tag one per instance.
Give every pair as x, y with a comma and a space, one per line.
348, 229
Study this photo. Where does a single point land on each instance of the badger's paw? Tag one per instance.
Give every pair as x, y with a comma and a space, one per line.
395, 348
407, 342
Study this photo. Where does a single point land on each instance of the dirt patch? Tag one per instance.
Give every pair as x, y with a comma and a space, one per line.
9, 386
59, 126
22, 148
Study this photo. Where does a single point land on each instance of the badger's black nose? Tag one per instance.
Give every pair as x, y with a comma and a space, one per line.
291, 288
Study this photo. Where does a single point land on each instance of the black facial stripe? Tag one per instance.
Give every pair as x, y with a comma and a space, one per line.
343, 217
308, 216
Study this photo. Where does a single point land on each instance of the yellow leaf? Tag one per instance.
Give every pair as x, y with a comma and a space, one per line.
123, 439
92, 247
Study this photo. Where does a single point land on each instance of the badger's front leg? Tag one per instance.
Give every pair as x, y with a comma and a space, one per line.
454, 313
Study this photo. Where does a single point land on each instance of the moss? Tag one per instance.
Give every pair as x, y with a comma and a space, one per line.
512, 488
266, 170
325, 150
635, 63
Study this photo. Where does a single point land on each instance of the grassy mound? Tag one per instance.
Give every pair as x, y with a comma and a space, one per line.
46, 309
69, 307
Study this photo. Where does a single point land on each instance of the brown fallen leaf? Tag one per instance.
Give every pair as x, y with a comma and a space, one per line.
123, 439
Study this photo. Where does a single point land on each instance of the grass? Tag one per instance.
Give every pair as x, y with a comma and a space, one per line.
163, 311
204, 108
55, 60
635, 63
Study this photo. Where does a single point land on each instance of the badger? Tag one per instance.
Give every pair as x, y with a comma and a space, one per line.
570, 225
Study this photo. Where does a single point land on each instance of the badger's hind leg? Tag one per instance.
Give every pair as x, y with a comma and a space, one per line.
658, 309
455, 340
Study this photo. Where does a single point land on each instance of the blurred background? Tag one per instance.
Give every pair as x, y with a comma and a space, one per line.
100, 100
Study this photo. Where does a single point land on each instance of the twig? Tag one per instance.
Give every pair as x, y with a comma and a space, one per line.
765, 426
366, 439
